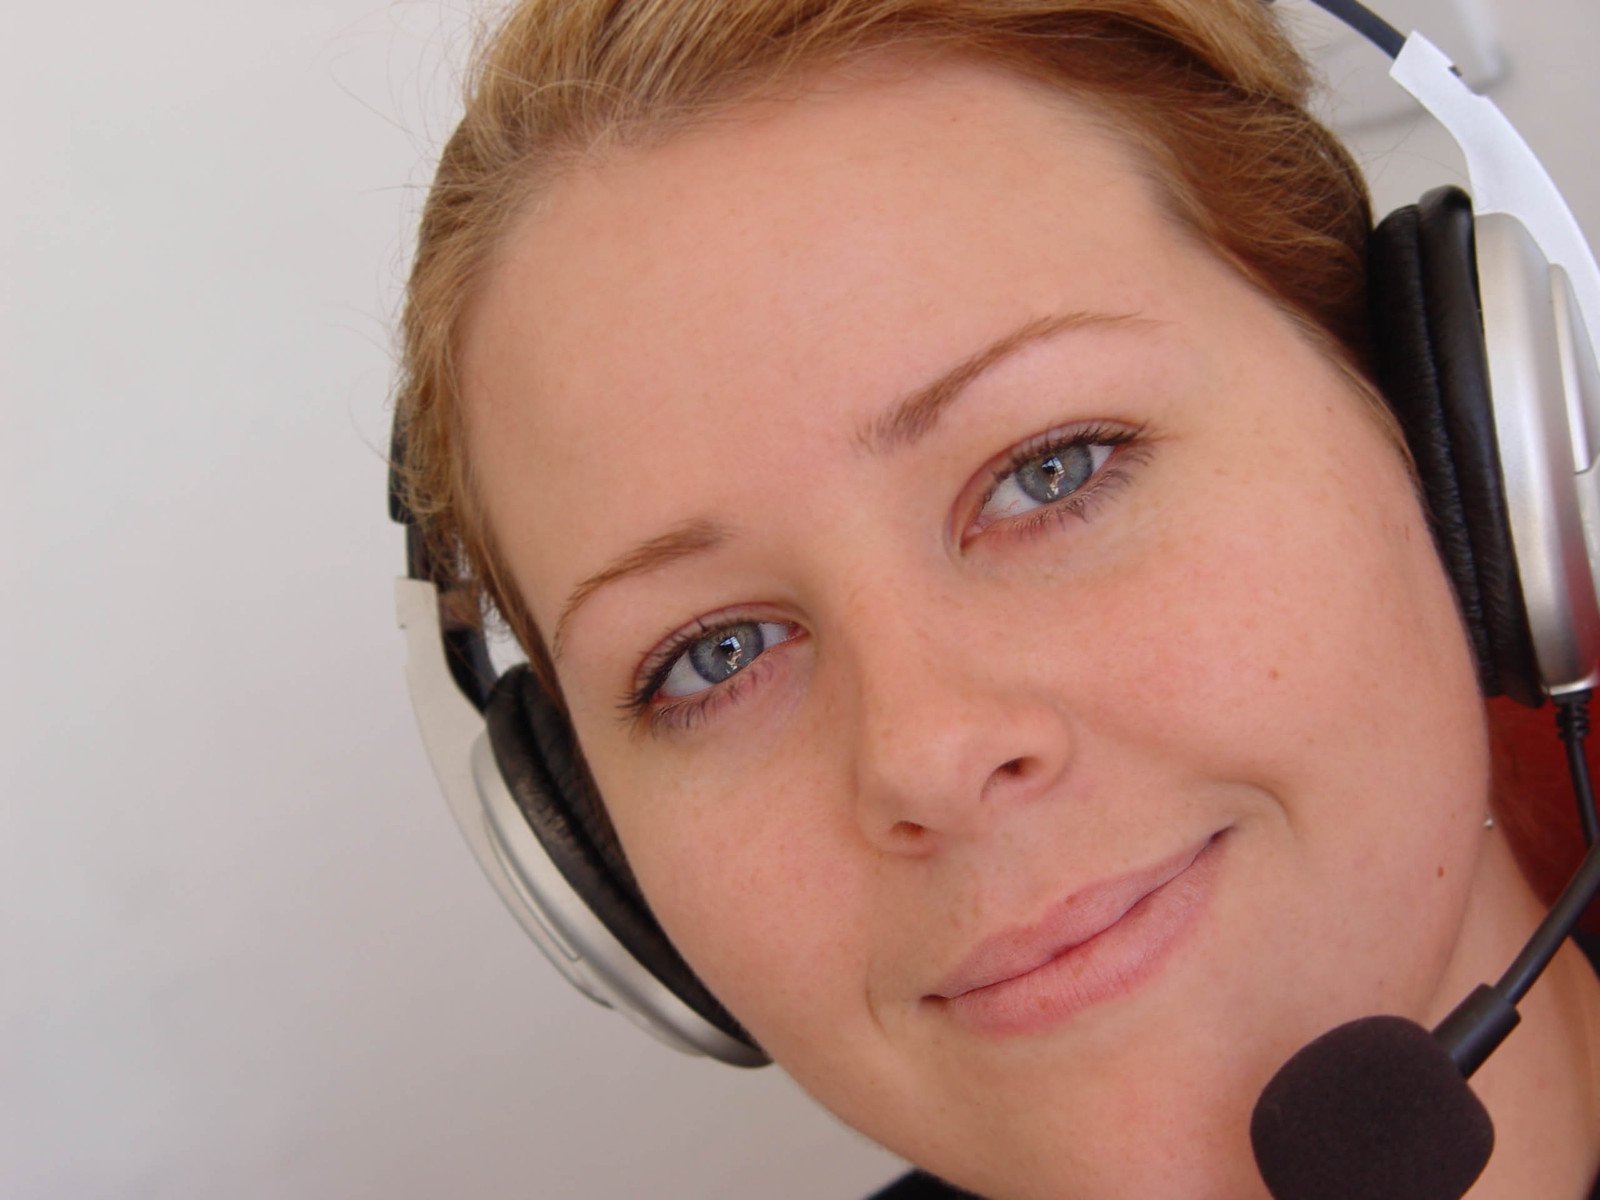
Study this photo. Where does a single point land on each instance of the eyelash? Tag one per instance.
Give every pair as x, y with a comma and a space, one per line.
1127, 450
685, 714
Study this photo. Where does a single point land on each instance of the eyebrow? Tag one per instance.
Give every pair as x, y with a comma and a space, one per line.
915, 416
690, 538
907, 421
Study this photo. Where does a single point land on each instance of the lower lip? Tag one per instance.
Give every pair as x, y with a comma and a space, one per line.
1112, 963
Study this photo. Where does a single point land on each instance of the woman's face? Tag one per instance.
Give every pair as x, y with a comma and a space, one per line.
1011, 654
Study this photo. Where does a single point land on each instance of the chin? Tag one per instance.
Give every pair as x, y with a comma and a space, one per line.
1169, 1121
1189, 1152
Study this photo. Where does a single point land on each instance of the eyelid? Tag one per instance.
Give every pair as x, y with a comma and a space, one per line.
684, 713
1103, 432
653, 668
685, 674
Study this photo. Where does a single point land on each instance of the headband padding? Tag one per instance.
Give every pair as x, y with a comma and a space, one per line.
547, 777
1433, 366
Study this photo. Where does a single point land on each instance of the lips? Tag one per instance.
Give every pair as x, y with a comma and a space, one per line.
1097, 942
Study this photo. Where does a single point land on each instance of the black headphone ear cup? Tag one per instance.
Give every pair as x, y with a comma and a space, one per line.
543, 769
1432, 364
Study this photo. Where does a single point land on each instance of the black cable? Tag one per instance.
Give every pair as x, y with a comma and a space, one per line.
1576, 896
1367, 23
1572, 723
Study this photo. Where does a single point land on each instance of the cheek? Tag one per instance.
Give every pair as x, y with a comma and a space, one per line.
751, 887
1301, 610
1310, 649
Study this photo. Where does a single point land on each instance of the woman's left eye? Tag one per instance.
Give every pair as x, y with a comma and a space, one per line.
1061, 473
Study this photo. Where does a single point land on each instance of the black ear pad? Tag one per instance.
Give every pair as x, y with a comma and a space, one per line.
544, 770
1433, 367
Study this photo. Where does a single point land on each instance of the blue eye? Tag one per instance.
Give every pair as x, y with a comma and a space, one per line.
1044, 477
720, 654
1060, 474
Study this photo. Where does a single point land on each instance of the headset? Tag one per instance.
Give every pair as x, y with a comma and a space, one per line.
1486, 315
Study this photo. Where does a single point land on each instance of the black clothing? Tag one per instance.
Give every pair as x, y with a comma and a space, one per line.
919, 1185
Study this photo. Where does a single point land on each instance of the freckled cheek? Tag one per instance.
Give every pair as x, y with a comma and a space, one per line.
1312, 652
756, 897
1283, 614
1209, 627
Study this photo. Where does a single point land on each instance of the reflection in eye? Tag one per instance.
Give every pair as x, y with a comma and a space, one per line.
1045, 478
710, 659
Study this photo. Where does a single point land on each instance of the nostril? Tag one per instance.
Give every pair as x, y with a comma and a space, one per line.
1016, 771
908, 831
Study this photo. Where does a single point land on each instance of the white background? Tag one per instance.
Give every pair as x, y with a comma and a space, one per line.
243, 951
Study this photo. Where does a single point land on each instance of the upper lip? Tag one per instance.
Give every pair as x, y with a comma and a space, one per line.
1069, 922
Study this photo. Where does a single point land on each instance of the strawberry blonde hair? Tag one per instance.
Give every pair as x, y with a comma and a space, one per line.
1210, 95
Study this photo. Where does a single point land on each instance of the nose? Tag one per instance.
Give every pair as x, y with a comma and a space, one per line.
955, 729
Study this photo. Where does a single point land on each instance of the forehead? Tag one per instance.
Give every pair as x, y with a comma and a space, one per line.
840, 188
772, 277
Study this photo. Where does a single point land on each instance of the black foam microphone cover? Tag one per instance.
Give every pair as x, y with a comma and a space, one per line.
1374, 1109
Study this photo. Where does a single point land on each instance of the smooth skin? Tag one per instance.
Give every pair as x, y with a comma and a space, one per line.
968, 707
